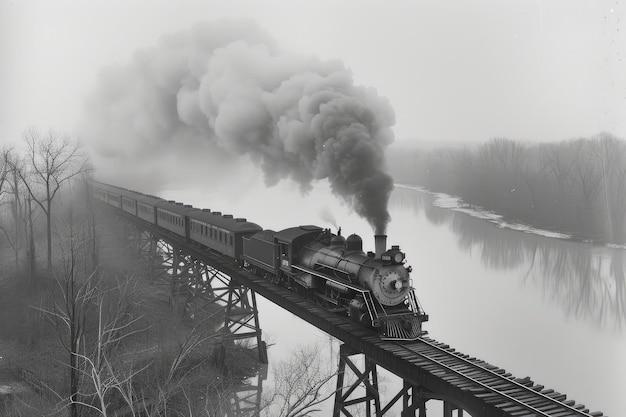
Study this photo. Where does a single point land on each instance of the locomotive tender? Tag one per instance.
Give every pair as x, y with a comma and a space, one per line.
373, 289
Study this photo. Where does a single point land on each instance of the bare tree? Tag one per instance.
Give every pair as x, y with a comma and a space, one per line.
98, 373
71, 302
612, 155
16, 230
104, 374
98, 317
4, 169
87, 297
301, 384
587, 173
52, 160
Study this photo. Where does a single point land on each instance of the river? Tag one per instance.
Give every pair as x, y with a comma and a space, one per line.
537, 306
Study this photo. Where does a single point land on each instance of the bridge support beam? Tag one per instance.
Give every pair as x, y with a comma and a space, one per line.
367, 379
448, 408
241, 320
145, 245
190, 285
413, 401
245, 400
357, 386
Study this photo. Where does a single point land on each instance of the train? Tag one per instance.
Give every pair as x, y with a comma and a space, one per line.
373, 289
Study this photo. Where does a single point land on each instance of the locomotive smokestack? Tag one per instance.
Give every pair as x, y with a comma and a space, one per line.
380, 245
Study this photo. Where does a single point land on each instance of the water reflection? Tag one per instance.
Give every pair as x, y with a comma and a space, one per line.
585, 280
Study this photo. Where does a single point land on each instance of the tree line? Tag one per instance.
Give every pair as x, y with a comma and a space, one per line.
575, 186
33, 176
93, 326
91, 336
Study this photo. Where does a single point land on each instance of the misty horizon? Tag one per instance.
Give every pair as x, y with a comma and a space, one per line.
536, 71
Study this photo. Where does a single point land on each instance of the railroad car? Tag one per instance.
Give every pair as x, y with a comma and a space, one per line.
129, 205
173, 217
146, 207
108, 194
222, 233
374, 289
100, 194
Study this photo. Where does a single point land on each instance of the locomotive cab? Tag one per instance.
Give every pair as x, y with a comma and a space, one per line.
290, 241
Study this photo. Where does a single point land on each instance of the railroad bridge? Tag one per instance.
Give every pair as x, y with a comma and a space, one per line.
430, 370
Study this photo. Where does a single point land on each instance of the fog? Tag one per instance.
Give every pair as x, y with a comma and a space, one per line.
165, 90
452, 70
220, 111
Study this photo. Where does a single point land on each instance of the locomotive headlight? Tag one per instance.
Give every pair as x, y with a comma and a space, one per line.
398, 257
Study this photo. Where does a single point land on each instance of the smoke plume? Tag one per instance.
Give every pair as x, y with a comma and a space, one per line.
326, 215
223, 90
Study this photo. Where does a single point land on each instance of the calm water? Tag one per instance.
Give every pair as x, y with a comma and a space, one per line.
547, 308
551, 309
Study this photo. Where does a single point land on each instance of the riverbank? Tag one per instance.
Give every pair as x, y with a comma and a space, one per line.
454, 203
574, 187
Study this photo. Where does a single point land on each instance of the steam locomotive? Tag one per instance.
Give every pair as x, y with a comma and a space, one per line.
373, 289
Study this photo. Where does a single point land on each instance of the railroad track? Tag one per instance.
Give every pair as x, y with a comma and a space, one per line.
489, 385
516, 396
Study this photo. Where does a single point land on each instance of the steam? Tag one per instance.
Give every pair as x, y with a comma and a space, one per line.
223, 90
326, 215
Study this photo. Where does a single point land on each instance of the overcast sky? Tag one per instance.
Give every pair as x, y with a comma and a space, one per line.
452, 70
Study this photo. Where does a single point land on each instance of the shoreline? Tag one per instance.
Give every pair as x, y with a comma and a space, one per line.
450, 202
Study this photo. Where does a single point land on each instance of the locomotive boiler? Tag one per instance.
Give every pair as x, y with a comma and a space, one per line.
383, 273
374, 289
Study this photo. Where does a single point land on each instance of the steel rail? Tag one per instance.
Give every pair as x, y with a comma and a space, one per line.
479, 383
496, 374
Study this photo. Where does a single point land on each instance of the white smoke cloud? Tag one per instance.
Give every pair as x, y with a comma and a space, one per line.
203, 98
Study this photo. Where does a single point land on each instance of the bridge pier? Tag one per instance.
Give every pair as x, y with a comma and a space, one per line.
241, 320
414, 397
368, 378
195, 284
145, 245
448, 408
245, 400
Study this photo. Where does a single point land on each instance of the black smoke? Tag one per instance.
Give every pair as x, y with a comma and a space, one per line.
222, 91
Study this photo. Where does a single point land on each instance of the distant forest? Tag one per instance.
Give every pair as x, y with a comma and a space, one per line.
576, 186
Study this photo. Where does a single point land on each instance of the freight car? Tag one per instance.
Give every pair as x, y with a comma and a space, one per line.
373, 289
